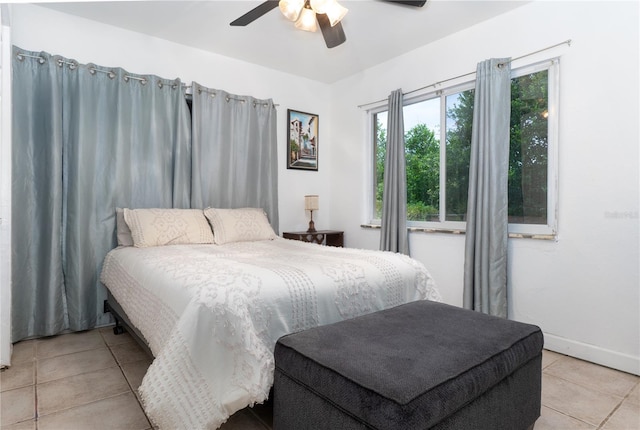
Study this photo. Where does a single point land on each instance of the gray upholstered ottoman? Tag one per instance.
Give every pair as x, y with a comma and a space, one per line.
422, 365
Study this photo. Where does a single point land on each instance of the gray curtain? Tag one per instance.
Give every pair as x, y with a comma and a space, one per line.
37, 296
394, 236
86, 139
234, 152
485, 266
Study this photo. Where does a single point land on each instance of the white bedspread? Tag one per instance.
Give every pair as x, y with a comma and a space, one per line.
212, 314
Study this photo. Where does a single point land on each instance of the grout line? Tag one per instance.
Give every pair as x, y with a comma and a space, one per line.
84, 373
35, 388
131, 389
76, 374
83, 404
582, 385
606, 419
561, 356
615, 409
89, 403
570, 416
587, 387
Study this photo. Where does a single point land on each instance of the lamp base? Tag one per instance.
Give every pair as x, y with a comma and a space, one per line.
312, 227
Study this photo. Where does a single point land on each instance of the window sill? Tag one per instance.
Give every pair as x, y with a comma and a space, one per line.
462, 232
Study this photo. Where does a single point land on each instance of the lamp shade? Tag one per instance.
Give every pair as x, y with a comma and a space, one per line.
307, 20
291, 8
311, 202
335, 12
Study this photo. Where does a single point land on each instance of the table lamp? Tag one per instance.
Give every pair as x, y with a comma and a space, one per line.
311, 204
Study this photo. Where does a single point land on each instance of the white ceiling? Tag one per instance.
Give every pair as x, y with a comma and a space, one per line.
376, 30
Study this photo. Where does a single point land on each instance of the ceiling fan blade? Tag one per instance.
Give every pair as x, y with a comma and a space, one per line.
255, 13
416, 3
333, 36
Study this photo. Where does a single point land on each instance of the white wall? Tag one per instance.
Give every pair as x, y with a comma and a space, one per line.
37, 28
5, 187
583, 289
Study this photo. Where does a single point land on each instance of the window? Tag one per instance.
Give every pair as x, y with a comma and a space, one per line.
438, 175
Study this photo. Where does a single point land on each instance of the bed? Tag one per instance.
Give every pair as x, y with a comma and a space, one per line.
212, 312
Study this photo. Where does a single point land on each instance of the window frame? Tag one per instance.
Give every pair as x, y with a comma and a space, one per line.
530, 230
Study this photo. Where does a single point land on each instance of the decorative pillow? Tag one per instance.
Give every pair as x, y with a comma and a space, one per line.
123, 233
239, 225
157, 227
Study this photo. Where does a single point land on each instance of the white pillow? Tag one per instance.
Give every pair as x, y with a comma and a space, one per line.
123, 233
157, 227
239, 225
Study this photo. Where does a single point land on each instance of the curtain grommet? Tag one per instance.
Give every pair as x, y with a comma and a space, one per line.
144, 81
111, 74
20, 57
160, 84
92, 70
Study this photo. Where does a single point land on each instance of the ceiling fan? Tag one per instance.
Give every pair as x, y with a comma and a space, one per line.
305, 13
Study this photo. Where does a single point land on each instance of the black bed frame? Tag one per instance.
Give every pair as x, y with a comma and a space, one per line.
123, 323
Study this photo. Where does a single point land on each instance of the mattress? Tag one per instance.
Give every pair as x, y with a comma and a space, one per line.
212, 314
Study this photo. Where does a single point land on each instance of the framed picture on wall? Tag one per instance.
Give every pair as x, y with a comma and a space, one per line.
302, 140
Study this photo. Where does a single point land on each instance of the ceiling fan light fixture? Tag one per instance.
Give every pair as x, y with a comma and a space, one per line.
291, 8
307, 20
335, 12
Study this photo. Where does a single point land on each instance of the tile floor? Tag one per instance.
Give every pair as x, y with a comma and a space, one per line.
89, 380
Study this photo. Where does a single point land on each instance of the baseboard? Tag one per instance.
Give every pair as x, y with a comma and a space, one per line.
595, 354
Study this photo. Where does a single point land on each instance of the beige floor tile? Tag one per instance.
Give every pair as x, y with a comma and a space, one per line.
68, 343
634, 396
549, 357
135, 371
24, 425
62, 366
18, 375
112, 339
554, 420
17, 405
119, 412
626, 417
23, 351
129, 353
593, 376
577, 401
81, 386
80, 389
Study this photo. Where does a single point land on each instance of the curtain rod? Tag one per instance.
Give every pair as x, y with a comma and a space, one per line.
73, 65
567, 42
213, 93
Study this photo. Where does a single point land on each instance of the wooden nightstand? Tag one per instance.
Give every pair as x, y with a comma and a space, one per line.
322, 237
